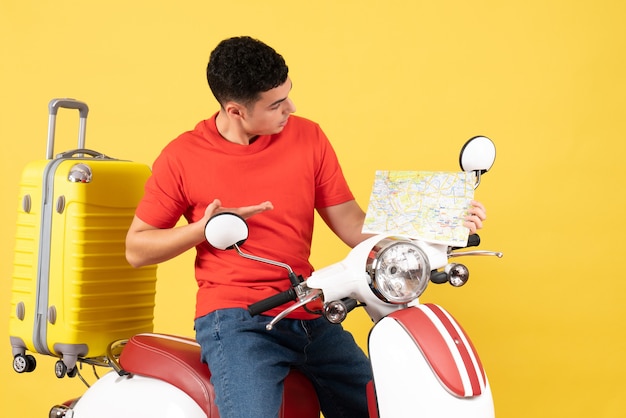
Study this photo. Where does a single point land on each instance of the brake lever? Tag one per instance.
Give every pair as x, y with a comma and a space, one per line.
314, 294
475, 252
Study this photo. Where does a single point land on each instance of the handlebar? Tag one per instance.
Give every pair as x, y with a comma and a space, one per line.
291, 294
272, 302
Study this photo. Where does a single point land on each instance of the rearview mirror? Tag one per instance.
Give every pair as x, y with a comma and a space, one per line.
478, 155
225, 230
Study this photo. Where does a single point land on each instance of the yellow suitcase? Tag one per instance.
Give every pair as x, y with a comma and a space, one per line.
72, 290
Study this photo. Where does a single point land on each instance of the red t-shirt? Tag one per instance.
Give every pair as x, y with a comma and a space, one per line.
296, 169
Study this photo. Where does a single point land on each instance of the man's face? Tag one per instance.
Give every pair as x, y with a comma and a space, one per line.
269, 114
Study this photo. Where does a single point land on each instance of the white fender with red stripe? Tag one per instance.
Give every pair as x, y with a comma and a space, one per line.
421, 355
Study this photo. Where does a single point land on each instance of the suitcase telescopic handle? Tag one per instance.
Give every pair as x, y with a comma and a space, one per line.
53, 108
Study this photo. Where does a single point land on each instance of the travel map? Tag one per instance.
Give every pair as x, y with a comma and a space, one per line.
429, 205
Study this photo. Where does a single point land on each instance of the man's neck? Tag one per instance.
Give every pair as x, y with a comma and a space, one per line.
231, 131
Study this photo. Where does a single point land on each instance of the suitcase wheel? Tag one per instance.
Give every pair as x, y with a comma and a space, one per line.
24, 363
60, 370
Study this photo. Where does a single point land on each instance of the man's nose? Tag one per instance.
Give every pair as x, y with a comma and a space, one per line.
291, 108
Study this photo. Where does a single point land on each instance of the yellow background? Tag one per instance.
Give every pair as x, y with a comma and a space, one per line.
395, 85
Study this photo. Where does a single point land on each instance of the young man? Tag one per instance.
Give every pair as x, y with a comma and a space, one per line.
255, 158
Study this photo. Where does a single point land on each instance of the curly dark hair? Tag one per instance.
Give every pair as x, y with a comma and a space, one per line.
241, 68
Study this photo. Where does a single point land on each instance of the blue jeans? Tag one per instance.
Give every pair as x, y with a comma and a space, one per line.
249, 363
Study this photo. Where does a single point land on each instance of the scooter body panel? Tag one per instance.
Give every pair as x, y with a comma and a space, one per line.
137, 397
421, 367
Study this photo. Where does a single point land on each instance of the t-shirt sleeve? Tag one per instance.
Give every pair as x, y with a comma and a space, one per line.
331, 186
164, 201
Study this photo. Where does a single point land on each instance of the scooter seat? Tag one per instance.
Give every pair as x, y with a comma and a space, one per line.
176, 360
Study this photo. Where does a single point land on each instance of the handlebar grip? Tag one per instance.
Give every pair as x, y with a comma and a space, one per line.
272, 302
473, 240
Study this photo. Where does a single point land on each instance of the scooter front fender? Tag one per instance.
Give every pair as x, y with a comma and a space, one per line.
424, 364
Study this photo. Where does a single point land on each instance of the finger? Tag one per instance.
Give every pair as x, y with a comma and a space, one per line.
213, 207
247, 211
471, 226
476, 203
477, 209
479, 213
474, 223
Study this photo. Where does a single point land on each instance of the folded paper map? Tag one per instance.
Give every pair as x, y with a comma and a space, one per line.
429, 205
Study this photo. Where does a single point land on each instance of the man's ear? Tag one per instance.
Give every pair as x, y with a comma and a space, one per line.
235, 110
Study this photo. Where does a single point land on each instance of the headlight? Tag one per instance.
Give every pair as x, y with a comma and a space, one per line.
399, 270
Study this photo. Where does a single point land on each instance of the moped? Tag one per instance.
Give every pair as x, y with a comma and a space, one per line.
423, 362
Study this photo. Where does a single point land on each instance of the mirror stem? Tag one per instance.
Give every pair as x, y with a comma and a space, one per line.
478, 174
263, 260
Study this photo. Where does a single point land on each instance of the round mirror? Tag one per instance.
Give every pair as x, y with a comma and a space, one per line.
226, 229
478, 154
